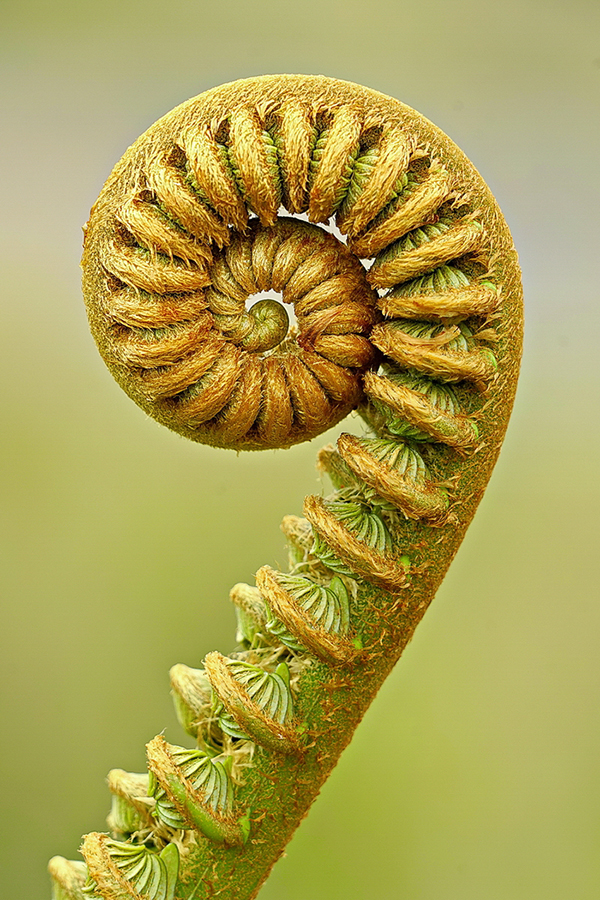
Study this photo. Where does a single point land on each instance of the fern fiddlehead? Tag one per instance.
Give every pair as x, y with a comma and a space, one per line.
425, 343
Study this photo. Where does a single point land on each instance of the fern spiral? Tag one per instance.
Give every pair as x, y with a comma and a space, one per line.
413, 319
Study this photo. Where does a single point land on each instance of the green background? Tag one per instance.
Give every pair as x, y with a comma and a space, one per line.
475, 773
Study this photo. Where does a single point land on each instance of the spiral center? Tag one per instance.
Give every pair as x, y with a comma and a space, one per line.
269, 325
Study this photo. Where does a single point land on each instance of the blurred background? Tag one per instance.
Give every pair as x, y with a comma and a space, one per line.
475, 773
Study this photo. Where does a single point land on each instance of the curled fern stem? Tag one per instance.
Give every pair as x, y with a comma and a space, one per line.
424, 343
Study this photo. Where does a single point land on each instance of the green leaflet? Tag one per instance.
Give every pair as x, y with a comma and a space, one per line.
325, 554
88, 891
194, 704
271, 150
208, 777
269, 690
327, 606
345, 178
365, 524
249, 630
362, 170
230, 163
344, 181
398, 455
443, 278
193, 183
317, 153
124, 817
461, 343
73, 889
403, 188
278, 630
153, 876
415, 239
441, 396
